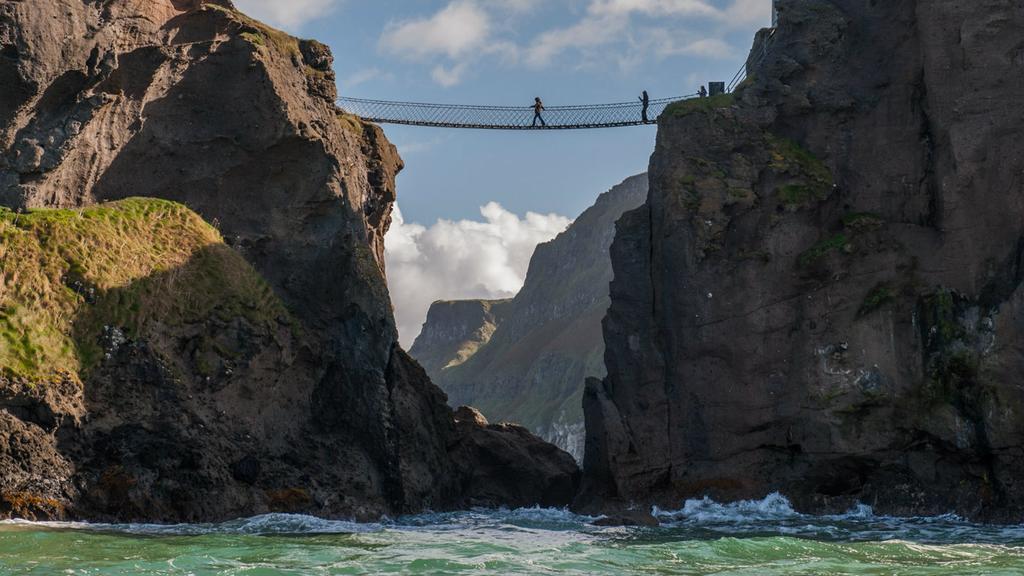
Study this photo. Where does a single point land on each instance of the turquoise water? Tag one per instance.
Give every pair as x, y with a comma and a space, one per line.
749, 538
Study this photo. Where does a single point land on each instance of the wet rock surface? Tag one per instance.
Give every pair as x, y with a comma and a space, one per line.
822, 295
192, 101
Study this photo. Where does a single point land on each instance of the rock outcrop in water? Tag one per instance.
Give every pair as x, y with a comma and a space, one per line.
120, 399
822, 294
525, 360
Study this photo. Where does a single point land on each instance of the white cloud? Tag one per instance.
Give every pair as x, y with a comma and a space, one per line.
463, 33
458, 34
448, 77
652, 7
706, 47
412, 147
458, 29
631, 30
742, 13
366, 75
587, 33
460, 259
289, 15
516, 6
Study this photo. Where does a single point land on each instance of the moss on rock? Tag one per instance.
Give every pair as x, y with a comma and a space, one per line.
260, 34
880, 296
809, 180
692, 105
822, 248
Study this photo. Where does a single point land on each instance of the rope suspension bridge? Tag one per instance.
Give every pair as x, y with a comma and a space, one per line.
506, 117
523, 117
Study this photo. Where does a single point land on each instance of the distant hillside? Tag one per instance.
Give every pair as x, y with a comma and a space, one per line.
525, 360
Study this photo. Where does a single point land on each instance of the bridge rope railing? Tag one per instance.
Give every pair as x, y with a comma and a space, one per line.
506, 117
753, 62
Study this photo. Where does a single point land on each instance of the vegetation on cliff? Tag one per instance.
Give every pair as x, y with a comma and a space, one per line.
691, 105
67, 275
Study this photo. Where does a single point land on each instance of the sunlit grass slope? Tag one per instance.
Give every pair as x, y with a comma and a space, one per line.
133, 264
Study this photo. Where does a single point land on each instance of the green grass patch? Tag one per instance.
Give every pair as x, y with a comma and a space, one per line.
692, 105
939, 312
758, 255
260, 34
692, 199
812, 179
881, 295
800, 194
351, 123
822, 249
952, 376
787, 155
863, 221
134, 264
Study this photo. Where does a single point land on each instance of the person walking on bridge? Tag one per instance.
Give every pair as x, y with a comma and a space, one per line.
538, 107
646, 101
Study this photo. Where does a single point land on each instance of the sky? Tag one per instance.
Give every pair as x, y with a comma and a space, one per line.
472, 205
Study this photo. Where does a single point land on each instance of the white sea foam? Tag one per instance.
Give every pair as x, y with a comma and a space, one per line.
264, 524
772, 515
775, 506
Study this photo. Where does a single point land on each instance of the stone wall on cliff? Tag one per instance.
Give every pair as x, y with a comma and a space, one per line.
525, 360
192, 101
822, 295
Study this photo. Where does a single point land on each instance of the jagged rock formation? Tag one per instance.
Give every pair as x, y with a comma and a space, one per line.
525, 360
823, 295
207, 417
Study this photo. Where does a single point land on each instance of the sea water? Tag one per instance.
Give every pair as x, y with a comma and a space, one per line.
756, 538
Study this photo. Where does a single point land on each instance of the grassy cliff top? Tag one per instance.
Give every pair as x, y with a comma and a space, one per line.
67, 274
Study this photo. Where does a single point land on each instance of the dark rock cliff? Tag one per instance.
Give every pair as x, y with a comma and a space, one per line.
213, 417
822, 295
525, 360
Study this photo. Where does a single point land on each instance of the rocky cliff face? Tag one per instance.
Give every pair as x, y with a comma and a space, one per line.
822, 294
192, 101
525, 360
454, 331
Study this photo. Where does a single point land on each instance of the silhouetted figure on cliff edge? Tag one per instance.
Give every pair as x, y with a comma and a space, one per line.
646, 101
538, 107
703, 91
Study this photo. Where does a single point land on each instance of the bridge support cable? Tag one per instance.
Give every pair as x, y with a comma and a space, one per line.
754, 61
